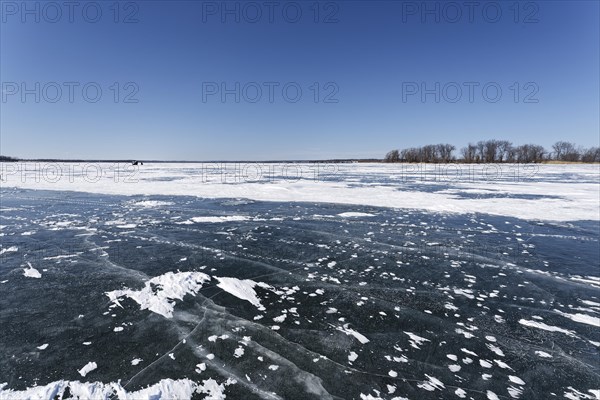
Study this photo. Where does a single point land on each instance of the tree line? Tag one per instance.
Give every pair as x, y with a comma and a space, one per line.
495, 151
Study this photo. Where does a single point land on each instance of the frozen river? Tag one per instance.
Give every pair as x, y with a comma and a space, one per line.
337, 281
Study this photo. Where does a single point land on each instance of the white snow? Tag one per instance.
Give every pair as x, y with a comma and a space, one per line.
541, 325
237, 353
416, 340
242, 289
31, 272
559, 192
348, 331
355, 214
127, 226
281, 318
87, 368
492, 396
10, 249
577, 395
182, 389
515, 392
152, 203
495, 349
593, 281
217, 219
200, 367
590, 303
167, 288
582, 318
431, 384
502, 364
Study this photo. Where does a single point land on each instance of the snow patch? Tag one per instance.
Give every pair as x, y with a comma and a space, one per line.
416, 340
182, 389
159, 293
549, 328
243, 289
87, 368
348, 331
31, 272
351, 214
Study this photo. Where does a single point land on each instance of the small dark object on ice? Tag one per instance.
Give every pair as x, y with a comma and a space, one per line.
137, 163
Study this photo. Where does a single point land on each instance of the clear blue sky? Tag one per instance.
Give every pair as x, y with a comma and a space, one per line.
373, 54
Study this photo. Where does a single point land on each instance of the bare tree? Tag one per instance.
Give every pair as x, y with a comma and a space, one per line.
591, 155
444, 152
428, 153
480, 151
503, 150
413, 154
469, 153
490, 149
511, 154
529, 153
493, 151
392, 156
565, 151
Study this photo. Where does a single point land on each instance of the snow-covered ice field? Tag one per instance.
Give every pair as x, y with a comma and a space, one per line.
299, 281
529, 191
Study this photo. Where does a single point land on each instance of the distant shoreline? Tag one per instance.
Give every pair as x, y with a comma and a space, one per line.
328, 161
129, 161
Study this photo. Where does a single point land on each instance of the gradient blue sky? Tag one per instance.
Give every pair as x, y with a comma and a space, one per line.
368, 54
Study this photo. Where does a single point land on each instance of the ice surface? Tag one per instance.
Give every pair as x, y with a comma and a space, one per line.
292, 301
544, 192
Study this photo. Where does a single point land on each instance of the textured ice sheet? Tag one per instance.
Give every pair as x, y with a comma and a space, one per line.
291, 301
